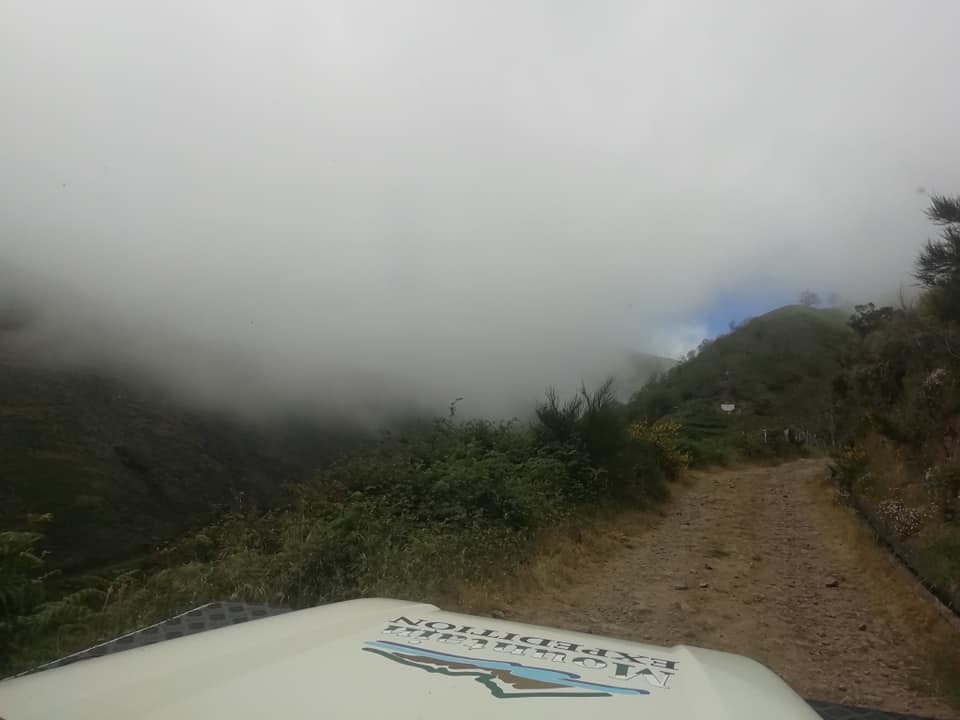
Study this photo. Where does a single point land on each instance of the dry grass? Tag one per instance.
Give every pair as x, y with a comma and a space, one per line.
942, 676
558, 559
561, 556
937, 629
897, 479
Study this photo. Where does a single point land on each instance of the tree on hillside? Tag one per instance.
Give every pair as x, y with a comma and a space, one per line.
809, 298
938, 264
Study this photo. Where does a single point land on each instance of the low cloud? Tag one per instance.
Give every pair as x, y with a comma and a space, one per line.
373, 205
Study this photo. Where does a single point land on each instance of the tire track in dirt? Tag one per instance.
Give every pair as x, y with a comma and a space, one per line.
758, 561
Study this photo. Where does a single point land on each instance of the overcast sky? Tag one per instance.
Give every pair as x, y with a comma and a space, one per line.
434, 199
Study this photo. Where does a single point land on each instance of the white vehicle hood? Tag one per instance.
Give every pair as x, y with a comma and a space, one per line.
394, 659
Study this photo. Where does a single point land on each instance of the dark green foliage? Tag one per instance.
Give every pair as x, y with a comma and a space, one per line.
943, 561
897, 407
658, 400
849, 466
938, 264
899, 379
943, 301
411, 516
22, 576
840, 387
613, 461
774, 368
707, 452
602, 428
557, 418
122, 469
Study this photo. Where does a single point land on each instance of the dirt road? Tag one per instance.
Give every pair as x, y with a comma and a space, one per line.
761, 562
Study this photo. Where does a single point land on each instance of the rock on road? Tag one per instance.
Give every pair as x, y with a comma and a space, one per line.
759, 561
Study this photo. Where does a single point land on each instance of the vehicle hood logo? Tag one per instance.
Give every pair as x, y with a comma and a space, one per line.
503, 679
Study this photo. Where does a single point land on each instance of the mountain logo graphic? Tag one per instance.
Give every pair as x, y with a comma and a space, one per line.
504, 680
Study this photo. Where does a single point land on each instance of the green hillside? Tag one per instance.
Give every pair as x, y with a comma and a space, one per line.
420, 515
776, 370
121, 470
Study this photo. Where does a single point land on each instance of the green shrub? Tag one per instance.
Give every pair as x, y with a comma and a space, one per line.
410, 517
941, 563
706, 452
662, 438
849, 466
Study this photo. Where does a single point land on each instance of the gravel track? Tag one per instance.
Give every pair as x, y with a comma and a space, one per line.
759, 561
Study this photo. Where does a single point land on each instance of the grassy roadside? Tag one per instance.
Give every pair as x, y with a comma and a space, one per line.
557, 559
937, 628
880, 485
416, 517
570, 559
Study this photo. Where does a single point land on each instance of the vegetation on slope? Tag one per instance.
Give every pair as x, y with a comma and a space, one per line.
416, 516
899, 396
122, 471
776, 371
900, 426
424, 514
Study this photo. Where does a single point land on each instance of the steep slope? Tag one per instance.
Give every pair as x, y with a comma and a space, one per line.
776, 370
121, 469
899, 424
